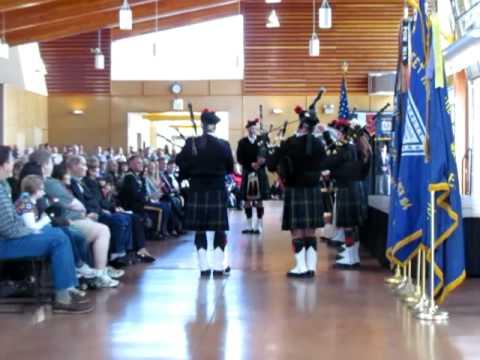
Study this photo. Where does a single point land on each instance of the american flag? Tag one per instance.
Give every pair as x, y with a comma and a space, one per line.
343, 113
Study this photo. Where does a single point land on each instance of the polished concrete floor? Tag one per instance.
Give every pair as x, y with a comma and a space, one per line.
163, 311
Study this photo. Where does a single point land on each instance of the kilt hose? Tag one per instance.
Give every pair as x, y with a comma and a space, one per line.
206, 211
262, 181
302, 208
350, 205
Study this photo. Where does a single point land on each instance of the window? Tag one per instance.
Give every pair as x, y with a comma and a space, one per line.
211, 50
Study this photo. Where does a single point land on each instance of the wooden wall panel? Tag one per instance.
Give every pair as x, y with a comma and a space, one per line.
364, 33
70, 64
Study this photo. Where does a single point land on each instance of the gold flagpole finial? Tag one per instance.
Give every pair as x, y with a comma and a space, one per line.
344, 67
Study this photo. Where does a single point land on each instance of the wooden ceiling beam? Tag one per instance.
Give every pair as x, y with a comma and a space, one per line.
9, 5
62, 10
177, 21
109, 19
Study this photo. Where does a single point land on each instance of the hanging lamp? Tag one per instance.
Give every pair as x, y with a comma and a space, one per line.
325, 15
156, 29
4, 48
273, 21
125, 17
314, 43
97, 53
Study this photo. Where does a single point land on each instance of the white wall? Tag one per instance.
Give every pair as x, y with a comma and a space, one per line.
24, 69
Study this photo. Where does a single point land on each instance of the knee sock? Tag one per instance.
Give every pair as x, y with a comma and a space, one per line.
220, 240
201, 240
311, 242
349, 240
298, 245
260, 212
249, 212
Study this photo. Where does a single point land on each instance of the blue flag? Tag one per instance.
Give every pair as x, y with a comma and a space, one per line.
409, 194
449, 239
343, 112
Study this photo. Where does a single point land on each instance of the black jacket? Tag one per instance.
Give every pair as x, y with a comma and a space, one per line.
207, 169
86, 197
304, 170
247, 153
133, 195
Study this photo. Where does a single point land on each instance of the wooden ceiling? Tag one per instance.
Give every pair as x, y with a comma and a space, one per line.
276, 60
44, 20
364, 33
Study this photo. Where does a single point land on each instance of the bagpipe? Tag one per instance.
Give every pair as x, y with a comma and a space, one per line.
283, 164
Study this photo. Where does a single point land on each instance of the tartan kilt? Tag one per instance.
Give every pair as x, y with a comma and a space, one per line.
327, 200
262, 181
206, 211
350, 205
302, 208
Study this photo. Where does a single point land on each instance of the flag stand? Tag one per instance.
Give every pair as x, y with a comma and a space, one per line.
395, 279
432, 312
409, 288
422, 302
415, 297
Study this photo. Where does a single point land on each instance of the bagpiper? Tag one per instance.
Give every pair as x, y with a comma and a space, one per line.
205, 161
251, 154
349, 167
299, 163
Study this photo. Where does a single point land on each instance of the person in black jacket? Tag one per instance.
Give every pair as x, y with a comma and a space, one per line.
255, 188
112, 214
299, 161
120, 237
205, 161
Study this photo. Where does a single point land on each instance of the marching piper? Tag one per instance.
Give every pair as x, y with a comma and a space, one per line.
299, 162
251, 154
205, 161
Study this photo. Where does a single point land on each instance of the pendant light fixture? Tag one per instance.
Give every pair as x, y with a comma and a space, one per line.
4, 48
314, 43
125, 17
273, 21
156, 30
325, 15
97, 53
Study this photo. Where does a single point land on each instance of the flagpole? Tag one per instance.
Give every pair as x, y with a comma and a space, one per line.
396, 278
432, 312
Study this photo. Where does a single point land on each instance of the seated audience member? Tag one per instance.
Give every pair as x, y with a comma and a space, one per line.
56, 156
112, 175
18, 241
31, 207
170, 193
153, 186
98, 235
122, 171
14, 180
110, 214
133, 194
120, 156
120, 227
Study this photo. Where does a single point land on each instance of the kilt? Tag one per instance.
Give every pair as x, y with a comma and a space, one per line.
206, 211
302, 208
262, 181
327, 200
351, 206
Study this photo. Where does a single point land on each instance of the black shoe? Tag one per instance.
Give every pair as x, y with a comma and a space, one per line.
220, 273
310, 274
146, 258
120, 262
324, 239
205, 273
247, 231
255, 232
355, 266
297, 275
338, 257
